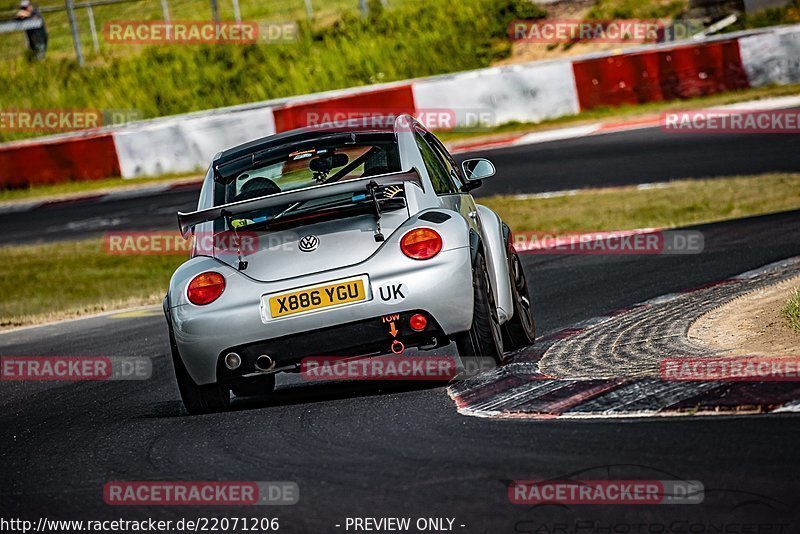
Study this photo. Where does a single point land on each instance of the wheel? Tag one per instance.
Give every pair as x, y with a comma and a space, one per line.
483, 342
520, 330
255, 386
197, 399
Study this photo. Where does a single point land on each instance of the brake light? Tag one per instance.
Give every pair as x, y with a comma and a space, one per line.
421, 244
205, 288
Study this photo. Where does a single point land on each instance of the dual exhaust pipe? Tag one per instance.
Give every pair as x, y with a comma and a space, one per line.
263, 363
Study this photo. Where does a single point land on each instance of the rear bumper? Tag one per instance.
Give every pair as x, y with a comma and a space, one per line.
442, 287
360, 338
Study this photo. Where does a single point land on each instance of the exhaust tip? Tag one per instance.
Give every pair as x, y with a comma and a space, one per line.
232, 361
265, 363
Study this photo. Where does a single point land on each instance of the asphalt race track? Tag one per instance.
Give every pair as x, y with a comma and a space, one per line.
624, 158
371, 450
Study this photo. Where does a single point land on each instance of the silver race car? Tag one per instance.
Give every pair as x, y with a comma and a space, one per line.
340, 240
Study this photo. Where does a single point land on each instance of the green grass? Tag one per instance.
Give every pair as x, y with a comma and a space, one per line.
91, 186
410, 39
681, 203
674, 9
636, 9
52, 281
791, 310
769, 17
60, 44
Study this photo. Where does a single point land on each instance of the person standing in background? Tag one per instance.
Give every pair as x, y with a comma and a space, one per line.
37, 37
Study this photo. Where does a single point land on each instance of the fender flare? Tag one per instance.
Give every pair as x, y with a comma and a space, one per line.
475, 245
494, 244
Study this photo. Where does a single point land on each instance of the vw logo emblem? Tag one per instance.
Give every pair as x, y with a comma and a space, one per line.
309, 243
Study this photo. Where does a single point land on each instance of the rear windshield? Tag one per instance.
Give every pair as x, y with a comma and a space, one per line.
314, 166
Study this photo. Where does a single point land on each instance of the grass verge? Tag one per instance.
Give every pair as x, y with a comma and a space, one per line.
52, 281
679, 203
67, 189
409, 40
791, 310
45, 282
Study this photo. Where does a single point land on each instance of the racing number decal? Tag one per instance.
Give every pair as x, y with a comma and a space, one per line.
319, 297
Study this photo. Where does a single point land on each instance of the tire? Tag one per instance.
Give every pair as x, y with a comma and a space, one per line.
197, 399
520, 331
484, 340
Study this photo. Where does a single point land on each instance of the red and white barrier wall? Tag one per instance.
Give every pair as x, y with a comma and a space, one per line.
527, 93
667, 74
58, 159
772, 58
183, 144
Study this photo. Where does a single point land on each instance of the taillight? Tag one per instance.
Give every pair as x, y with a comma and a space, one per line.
205, 288
421, 244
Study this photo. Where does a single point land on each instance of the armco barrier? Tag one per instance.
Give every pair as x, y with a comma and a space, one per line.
674, 73
184, 144
772, 58
58, 159
525, 93
528, 92
394, 99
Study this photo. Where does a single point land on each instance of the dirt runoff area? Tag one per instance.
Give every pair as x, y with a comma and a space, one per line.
751, 324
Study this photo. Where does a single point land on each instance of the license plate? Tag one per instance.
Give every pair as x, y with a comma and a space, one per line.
312, 298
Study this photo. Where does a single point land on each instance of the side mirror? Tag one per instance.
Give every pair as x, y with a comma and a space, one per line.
477, 169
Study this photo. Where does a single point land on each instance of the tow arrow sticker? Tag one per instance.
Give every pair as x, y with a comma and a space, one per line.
391, 319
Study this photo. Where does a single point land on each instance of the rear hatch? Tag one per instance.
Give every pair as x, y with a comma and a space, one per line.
278, 255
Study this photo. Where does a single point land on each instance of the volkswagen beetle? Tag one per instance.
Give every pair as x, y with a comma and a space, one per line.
317, 237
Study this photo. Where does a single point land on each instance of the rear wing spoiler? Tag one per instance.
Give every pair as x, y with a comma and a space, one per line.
187, 221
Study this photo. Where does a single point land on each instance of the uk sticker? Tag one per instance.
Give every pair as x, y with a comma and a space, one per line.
392, 292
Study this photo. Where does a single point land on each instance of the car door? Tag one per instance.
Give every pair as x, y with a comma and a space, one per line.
447, 179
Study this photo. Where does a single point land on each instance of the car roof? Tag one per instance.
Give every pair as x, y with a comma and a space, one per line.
372, 125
